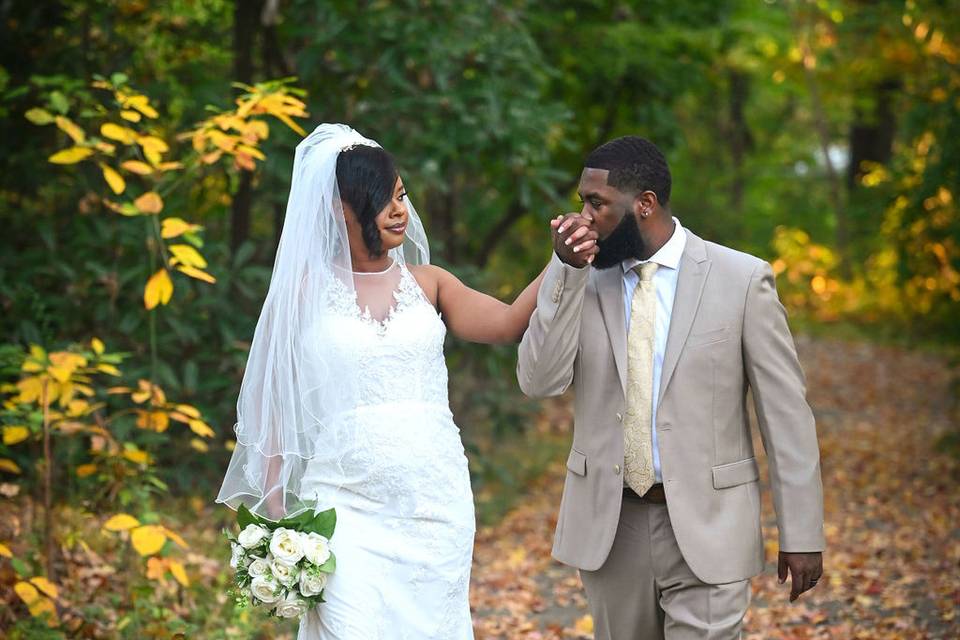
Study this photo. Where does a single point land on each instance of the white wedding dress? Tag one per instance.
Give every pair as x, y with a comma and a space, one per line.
405, 517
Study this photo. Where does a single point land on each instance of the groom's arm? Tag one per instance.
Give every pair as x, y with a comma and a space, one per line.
786, 422
549, 345
788, 431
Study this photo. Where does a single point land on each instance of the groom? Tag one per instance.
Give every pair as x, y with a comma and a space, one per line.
661, 334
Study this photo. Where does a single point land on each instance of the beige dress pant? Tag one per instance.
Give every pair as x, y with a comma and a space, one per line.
646, 591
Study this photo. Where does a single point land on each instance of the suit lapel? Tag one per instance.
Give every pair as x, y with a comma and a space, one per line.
694, 267
610, 291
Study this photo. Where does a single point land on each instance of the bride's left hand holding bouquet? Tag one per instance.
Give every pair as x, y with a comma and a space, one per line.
283, 565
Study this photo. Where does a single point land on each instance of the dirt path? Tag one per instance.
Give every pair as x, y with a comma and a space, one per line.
892, 518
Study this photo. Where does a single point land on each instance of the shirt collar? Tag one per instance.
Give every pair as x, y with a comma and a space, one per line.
669, 254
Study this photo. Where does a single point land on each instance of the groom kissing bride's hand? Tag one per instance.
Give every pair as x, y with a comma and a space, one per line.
575, 239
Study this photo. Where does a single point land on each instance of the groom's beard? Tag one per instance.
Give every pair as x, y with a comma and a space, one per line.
622, 243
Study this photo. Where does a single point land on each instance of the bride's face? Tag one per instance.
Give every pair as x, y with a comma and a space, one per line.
392, 219
390, 225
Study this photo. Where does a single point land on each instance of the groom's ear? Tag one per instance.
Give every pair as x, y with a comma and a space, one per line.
644, 204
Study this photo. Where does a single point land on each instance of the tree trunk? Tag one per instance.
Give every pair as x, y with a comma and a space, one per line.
872, 132
739, 138
246, 22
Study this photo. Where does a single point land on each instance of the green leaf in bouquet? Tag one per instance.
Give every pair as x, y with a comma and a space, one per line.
244, 517
297, 522
330, 565
323, 523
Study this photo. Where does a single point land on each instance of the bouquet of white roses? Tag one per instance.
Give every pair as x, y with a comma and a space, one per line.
283, 565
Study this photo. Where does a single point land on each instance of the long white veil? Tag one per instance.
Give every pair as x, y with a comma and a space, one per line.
290, 390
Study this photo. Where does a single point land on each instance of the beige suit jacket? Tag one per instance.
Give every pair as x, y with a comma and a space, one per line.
728, 332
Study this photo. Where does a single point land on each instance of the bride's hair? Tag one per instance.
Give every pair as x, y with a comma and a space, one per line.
366, 177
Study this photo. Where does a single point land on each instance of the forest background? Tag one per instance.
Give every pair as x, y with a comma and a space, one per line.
147, 148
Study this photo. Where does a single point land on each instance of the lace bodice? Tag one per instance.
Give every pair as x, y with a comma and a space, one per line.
400, 357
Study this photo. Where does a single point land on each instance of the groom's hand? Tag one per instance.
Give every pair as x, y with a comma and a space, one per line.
574, 239
805, 570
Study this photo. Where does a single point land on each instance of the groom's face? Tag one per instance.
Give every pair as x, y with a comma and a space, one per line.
613, 215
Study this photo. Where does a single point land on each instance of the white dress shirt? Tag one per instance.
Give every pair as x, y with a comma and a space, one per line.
665, 281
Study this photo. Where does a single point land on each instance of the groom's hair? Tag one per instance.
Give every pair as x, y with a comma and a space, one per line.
635, 165
366, 177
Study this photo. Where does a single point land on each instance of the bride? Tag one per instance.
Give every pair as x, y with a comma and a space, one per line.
344, 398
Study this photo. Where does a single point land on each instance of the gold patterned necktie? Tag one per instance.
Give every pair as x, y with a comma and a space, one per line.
637, 423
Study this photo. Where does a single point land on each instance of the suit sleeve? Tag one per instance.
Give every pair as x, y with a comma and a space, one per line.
787, 426
549, 346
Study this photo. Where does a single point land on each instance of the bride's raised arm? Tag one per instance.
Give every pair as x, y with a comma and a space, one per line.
478, 317
475, 316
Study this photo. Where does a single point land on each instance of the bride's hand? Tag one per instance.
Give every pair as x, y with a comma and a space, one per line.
574, 239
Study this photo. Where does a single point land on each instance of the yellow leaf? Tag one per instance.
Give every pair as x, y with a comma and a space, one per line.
97, 345
210, 158
169, 166
85, 470
36, 603
187, 255
243, 161
584, 625
68, 127
197, 273
148, 539
199, 445
137, 167
124, 135
179, 573
201, 428
152, 144
258, 128
190, 410
114, 179
251, 151
173, 535
173, 227
5, 551
136, 456
153, 420
15, 434
150, 202
156, 568
27, 592
158, 290
108, 368
121, 522
106, 147
45, 586
9, 466
142, 104
72, 155
130, 115
31, 389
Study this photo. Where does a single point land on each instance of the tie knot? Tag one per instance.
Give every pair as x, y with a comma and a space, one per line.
646, 270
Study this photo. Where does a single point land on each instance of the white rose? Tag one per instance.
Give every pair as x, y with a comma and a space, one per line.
312, 582
237, 555
259, 567
252, 535
285, 545
316, 548
286, 574
291, 607
265, 589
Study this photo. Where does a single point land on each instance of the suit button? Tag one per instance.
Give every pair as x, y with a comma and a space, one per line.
616, 469
620, 417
